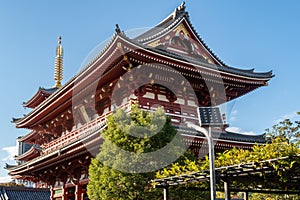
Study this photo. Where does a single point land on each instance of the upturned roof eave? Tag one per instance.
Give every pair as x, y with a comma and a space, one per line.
245, 73
30, 152
39, 97
27, 136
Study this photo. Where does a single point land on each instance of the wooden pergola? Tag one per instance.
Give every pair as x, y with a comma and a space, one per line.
280, 176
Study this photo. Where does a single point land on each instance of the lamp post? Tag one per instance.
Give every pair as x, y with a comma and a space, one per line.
209, 116
210, 142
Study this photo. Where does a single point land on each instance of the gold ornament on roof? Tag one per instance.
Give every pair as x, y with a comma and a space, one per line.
59, 65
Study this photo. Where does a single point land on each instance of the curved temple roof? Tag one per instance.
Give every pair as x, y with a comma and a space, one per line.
169, 24
178, 21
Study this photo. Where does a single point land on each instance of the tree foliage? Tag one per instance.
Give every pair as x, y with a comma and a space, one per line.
278, 148
284, 142
285, 129
138, 132
134, 133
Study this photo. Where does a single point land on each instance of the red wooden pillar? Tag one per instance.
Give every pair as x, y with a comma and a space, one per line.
78, 192
64, 193
51, 193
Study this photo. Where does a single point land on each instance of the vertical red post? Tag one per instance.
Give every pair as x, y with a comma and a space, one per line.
64, 193
51, 193
78, 192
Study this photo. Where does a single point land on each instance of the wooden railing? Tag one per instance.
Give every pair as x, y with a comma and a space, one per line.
176, 114
176, 111
80, 132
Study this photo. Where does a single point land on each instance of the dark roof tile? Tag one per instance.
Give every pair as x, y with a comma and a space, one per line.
23, 193
225, 135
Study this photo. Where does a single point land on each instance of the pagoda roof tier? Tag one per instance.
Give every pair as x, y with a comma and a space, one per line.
33, 137
9, 166
199, 63
28, 138
108, 65
33, 152
39, 97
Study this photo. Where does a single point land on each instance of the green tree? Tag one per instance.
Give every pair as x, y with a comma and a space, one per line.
126, 139
282, 144
285, 129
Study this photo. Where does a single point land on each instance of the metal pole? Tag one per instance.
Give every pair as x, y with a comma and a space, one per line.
211, 165
226, 190
211, 155
166, 193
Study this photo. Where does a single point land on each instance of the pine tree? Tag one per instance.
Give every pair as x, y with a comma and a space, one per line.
127, 138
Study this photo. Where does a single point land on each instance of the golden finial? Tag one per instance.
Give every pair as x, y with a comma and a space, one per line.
58, 71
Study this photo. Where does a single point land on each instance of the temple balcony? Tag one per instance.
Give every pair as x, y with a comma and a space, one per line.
176, 113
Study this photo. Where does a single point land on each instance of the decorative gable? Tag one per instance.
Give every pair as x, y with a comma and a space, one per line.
181, 40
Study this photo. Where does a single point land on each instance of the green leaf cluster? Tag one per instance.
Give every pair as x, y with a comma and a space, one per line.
281, 145
285, 129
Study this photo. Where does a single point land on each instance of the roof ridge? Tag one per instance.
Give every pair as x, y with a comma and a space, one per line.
173, 19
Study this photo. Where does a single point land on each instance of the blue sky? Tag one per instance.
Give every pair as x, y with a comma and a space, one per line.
246, 34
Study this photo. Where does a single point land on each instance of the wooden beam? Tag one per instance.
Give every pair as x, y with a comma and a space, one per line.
64, 193
51, 193
78, 192
246, 195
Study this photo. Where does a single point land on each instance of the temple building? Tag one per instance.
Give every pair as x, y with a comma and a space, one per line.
168, 65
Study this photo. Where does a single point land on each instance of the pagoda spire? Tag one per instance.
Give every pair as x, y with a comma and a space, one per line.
58, 70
